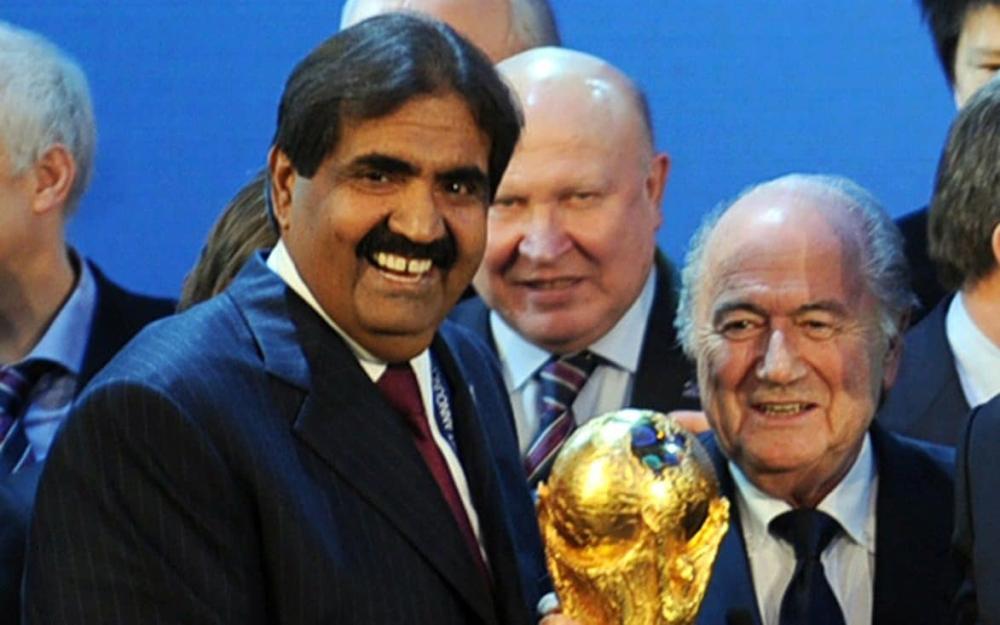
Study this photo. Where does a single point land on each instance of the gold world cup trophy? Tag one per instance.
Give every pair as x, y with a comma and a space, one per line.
632, 520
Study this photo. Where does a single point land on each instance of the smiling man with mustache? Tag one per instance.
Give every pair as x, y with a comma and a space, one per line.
312, 446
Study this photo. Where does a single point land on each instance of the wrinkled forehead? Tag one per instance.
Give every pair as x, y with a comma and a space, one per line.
793, 243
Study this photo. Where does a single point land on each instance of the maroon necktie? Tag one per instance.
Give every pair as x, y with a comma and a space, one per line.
399, 386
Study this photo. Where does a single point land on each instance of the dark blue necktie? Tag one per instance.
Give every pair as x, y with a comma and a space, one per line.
808, 600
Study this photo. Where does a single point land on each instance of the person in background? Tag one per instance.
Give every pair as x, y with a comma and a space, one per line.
576, 300
951, 359
967, 41
61, 319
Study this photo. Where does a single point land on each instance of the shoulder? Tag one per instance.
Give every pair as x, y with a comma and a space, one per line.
474, 315
130, 307
924, 462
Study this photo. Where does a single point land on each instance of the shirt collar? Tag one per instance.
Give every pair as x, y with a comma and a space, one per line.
976, 356
851, 502
281, 263
65, 340
521, 358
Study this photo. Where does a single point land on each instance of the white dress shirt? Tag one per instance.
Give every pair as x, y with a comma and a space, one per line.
609, 386
849, 560
281, 263
977, 358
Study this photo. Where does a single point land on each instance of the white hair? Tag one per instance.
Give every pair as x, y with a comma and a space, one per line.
883, 267
44, 101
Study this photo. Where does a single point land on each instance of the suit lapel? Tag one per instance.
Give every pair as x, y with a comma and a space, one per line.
488, 497
911, 536
345, 421
731, 589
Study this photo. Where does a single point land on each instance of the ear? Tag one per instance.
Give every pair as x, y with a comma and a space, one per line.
995, 243
893, 356
54, 173
656, 183
283, 178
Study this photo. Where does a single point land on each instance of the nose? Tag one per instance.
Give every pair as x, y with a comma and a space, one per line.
781, 363
417, 216
544, 238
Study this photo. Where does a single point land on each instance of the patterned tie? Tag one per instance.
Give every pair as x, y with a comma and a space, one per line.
560, 380
808, 600
399, 386
16, 382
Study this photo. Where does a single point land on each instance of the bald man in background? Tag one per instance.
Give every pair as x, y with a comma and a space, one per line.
575, 298
500, 28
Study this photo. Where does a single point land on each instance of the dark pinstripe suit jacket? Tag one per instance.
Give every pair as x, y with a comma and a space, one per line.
235, 465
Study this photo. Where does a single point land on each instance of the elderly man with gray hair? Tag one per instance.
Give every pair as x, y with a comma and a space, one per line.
61, 320
794, 298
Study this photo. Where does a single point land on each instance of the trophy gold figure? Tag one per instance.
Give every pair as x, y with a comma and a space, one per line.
632, 519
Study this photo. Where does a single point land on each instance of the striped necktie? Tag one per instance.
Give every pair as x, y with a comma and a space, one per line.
560, 381
16, 382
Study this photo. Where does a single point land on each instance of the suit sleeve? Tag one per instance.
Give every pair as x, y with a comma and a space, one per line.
139, 520
963, 540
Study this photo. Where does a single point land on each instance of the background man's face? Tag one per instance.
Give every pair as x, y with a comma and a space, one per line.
790, 363
15, 212
486, 23
977, 57
572, 230
418, 175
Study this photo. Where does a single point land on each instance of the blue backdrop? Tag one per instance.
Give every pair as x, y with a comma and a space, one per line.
186, 93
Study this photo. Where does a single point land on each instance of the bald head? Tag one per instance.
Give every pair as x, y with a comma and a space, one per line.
572, 234
799, 209
501, 28
563, 87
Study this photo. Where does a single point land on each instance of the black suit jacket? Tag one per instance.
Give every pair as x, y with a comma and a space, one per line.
664, 378
923, 273
235, 464
915, 576
927, 401
977, 515
118, 315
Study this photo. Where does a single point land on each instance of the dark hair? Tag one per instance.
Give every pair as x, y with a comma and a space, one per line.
374, 67
966, 205
242, 228
946, 18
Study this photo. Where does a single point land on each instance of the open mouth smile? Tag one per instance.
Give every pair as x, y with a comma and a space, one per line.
400, 267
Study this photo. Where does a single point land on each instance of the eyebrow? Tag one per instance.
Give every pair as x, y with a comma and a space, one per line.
735, 306
825, 305
383, 163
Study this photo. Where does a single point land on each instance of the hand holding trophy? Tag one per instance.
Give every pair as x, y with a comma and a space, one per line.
632, 520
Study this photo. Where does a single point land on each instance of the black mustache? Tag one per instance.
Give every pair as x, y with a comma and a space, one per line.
442, 252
